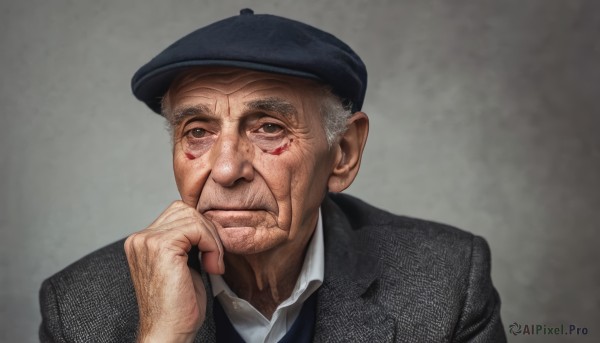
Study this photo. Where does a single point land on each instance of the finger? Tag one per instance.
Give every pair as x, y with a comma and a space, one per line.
192, 231
212, 260
178, 215
173, 224
177, 209
178, 236
208, 259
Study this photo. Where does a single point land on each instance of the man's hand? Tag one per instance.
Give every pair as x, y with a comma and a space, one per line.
171, 296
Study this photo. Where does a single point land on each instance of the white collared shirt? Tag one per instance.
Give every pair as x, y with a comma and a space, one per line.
252, 326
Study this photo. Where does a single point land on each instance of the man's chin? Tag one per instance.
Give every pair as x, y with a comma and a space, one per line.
246, 231
247, 240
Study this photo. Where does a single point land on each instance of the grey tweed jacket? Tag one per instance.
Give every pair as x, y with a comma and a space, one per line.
387, 279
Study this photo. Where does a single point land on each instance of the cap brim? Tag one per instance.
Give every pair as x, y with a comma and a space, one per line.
151, 87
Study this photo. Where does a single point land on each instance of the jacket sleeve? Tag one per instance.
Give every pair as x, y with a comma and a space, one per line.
50, 329
480, 319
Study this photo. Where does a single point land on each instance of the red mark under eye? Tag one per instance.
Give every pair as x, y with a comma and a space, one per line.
190, 156
279, 150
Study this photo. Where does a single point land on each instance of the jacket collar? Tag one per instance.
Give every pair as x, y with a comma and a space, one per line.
208, 330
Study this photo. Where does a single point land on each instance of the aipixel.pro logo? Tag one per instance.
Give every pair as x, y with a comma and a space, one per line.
543, 329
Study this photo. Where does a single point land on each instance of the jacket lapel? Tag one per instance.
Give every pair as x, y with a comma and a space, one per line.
347, 305
208, 330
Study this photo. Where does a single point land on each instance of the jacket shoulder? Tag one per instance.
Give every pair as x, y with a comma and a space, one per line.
418, 233
434, 279
410, 250
90, 300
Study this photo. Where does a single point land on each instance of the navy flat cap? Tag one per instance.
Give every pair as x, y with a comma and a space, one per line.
259, 42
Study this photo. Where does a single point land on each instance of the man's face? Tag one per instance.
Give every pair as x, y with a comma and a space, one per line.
250, 154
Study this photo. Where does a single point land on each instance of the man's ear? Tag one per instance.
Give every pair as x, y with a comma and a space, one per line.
348, 153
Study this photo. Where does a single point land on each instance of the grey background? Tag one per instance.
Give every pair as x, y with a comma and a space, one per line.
484, 114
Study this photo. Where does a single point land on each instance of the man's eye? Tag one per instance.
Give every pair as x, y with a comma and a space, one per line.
197, 133
271, 128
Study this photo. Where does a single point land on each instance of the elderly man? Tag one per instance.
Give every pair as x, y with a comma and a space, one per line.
266, 127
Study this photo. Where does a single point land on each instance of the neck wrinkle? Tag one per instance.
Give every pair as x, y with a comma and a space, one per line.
266, 279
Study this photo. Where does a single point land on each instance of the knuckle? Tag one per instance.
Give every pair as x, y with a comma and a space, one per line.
191, 212
136, 240
176, 204
152, 243
129, 241
197, 226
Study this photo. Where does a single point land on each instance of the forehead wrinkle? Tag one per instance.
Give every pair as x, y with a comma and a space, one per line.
218, 78
185, 111
266, 88
211, 75
193, 87
221, 87
180, 96
250, 83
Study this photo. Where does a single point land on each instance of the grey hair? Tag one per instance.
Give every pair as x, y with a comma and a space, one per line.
334, 111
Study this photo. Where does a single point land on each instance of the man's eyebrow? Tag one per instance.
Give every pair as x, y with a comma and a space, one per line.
276, 105
179, 114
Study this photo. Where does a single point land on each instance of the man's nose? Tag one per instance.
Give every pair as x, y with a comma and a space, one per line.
232, 158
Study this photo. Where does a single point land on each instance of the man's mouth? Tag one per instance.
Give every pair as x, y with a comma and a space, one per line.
231, 208
235, 217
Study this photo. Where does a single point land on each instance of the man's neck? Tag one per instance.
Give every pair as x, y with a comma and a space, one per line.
266, 279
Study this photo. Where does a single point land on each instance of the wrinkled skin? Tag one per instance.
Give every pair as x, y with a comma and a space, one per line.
252, 166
